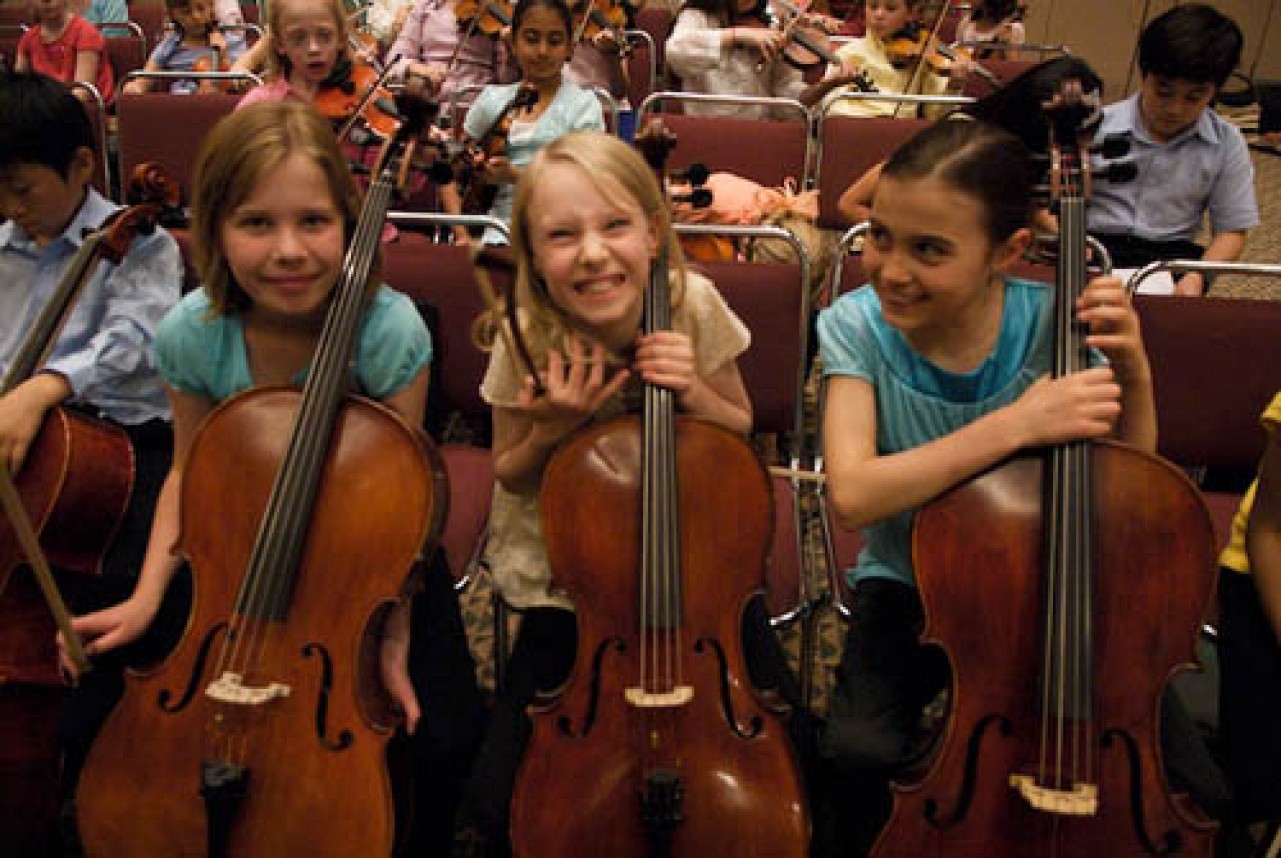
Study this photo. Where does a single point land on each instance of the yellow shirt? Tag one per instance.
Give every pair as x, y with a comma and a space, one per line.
1234, 556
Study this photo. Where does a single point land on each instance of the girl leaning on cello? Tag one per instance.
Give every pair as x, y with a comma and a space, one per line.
274, 207
936, 371
588, 221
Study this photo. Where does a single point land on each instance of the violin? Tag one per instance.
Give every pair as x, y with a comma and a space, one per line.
300, 513
62, 509
608, 16
216, 62
913, 44
1066, 586
807, 44
489, 17
353, 93
656, 747
479, 194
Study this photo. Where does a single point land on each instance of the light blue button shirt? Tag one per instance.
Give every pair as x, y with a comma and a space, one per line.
104, 350
1206, 169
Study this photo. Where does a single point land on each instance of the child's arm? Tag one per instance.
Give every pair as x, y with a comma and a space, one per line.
866, 486
22, 412
410, 402
846, 73
1263, 533
1114, 330
577, 384
1223, 247
123, 623
87, 67
666, 358
141, 84
855, 204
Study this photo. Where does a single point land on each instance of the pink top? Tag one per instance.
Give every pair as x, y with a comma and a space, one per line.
431, 34
57, 59
276, 90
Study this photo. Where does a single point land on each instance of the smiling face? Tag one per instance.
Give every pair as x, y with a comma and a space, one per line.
310, 40
541, 44
932, 263
592, 250
284, 244
1170, 106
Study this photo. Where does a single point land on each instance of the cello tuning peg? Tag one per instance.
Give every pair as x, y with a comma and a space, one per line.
1126, 171
694, 174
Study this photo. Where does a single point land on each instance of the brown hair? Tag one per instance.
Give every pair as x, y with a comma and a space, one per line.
241, 149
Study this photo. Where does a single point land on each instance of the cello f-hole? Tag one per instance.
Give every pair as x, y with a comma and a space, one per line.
193, 680
345, 737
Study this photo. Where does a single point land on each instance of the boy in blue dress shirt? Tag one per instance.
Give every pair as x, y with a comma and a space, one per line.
101, 360
1191, 162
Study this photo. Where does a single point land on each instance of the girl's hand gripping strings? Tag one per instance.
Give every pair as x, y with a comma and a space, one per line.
575, 387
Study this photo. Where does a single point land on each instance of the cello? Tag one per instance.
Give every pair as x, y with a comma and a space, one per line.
74, 487
1066, 586
300, 513
656, 747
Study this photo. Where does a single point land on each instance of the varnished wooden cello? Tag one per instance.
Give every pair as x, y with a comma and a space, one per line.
74, 487
301, 515
1066, 587
657, 747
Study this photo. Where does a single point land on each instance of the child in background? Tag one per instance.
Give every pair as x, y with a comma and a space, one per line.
427, 43
715, 49
306, 50
540, 42
274, 207
67, 48
589, 222
1018, 107
101, 359
992, 21
869, 56
1191, 162
194, 40
937, 370
1250, 643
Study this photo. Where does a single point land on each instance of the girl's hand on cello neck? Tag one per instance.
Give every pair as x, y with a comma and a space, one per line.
666, 359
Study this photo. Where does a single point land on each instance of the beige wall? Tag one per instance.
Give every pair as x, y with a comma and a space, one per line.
1105, 33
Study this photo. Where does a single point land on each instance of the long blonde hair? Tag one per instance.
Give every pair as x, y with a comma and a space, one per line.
242, 148
618, 171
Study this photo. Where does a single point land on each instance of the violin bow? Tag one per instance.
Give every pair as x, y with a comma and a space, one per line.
915, 77
366, 97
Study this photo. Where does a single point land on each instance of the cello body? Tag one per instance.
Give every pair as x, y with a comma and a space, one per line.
317, 782
75, 485
594, 747
978, 554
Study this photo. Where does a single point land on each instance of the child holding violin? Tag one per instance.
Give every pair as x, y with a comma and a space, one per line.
438, 43
936, 370
1250, 640
887, 57
589, 222
194, 43
66, 47
992, 21
102, 358
541, 42
274, 206
726, 47
306, 51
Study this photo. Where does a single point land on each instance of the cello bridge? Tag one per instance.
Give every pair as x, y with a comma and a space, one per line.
230, 688
1081, 800
641, 698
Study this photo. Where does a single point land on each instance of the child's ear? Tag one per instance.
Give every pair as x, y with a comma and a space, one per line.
1013, 248
80, 170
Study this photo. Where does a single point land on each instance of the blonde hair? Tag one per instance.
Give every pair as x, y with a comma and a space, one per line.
617, 170
278, 65
242, 148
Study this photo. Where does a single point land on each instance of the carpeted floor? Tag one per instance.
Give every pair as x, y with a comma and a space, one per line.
1264, 243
